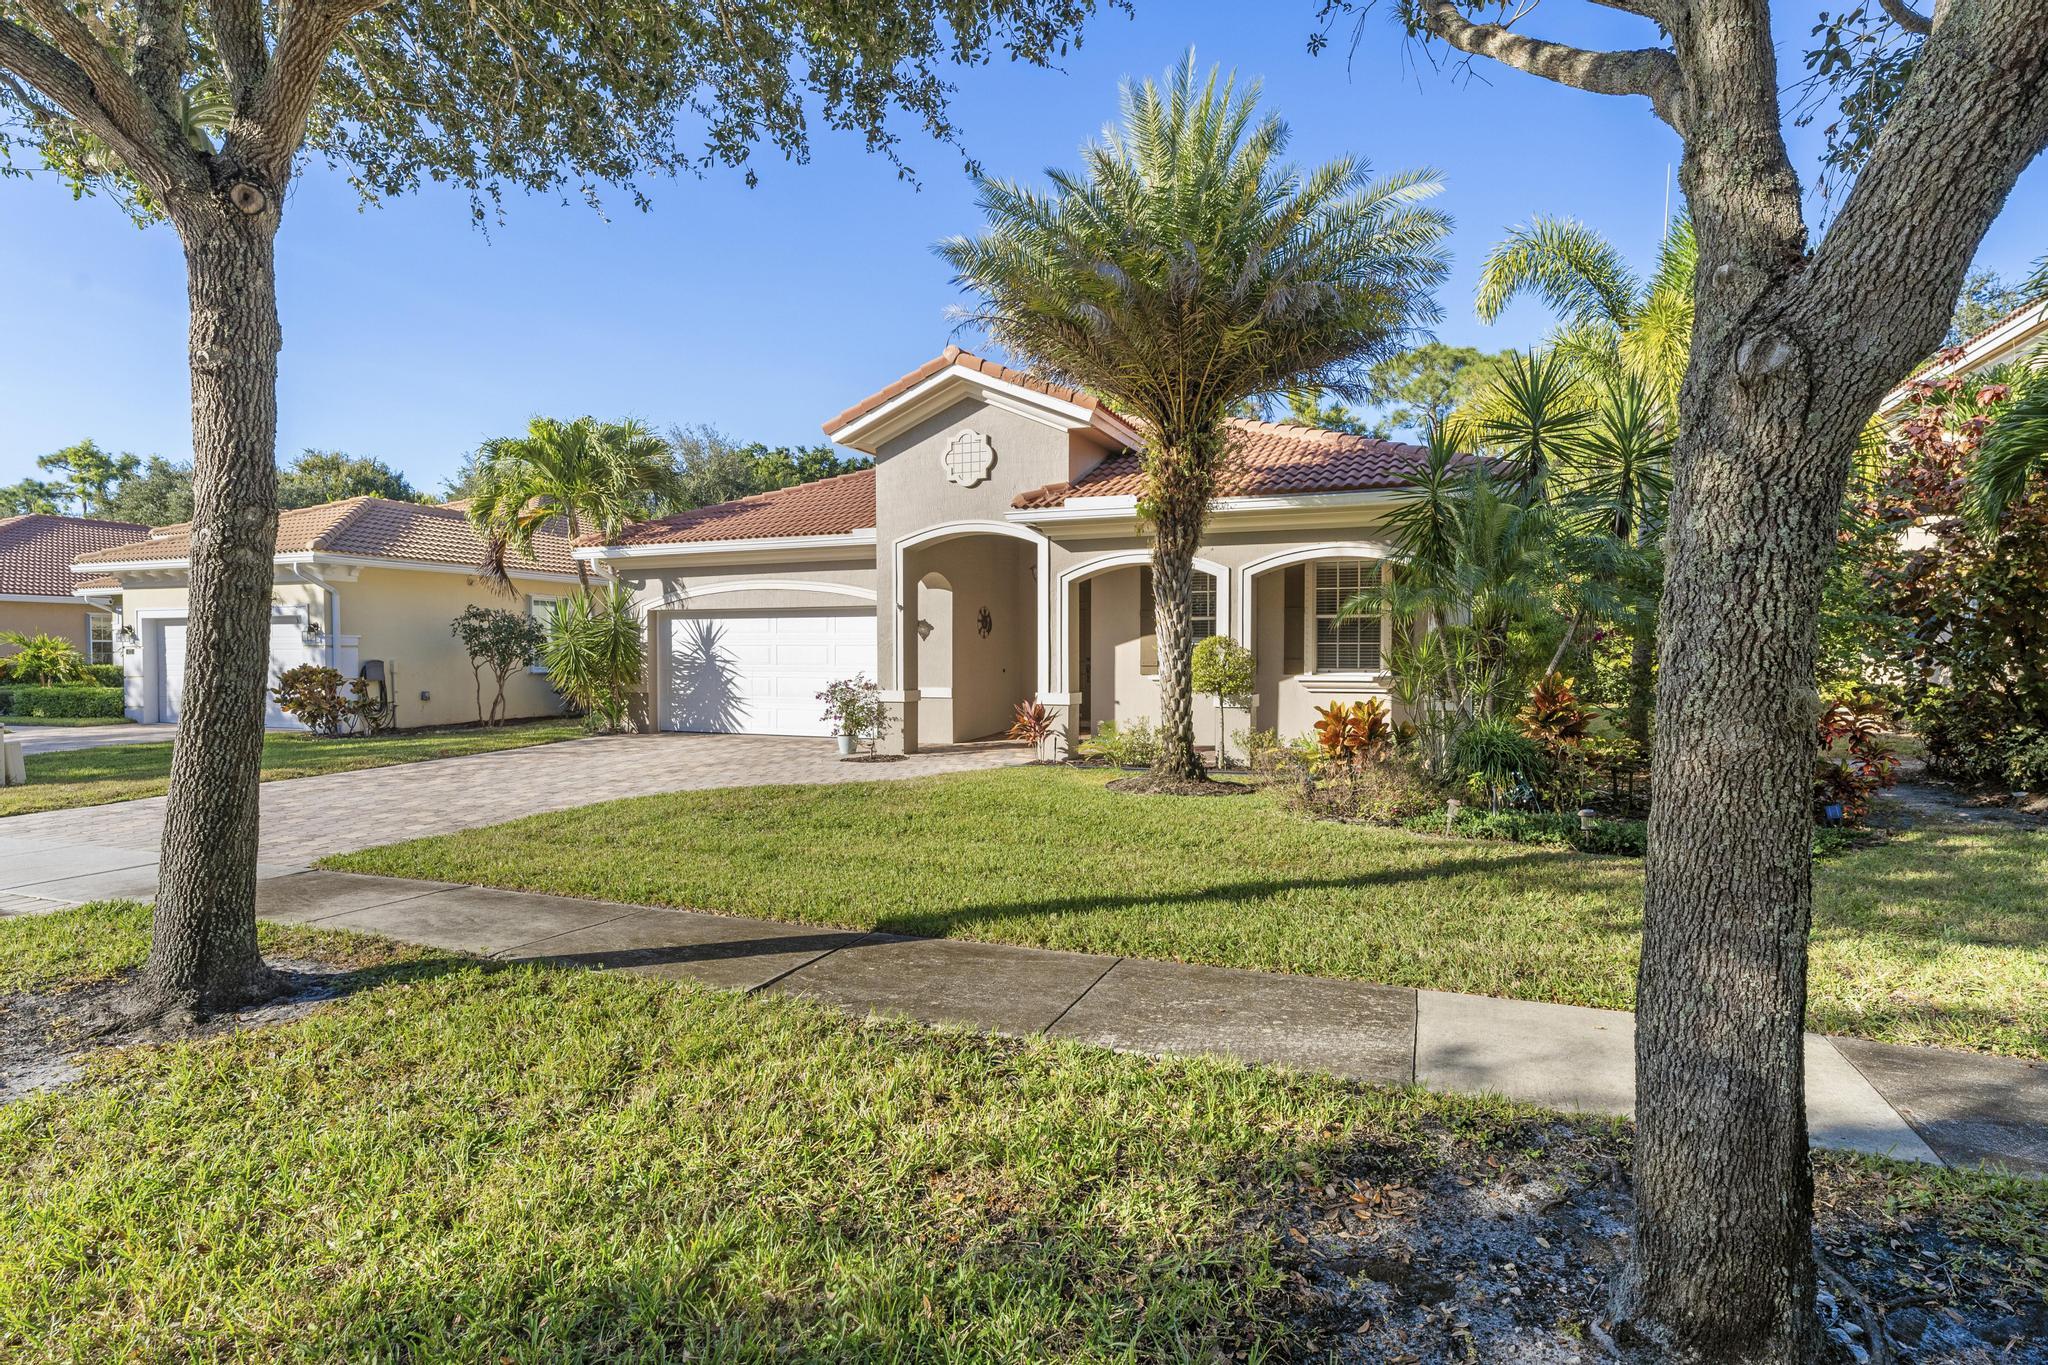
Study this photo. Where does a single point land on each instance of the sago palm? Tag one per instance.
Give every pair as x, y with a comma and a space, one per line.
1184, 269
591, 475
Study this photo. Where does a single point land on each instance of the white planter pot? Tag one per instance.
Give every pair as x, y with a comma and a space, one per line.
846, 743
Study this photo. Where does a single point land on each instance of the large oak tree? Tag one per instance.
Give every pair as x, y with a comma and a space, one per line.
1799, 329
199, 113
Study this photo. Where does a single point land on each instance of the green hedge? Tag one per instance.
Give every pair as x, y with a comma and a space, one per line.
60, 702
105, 675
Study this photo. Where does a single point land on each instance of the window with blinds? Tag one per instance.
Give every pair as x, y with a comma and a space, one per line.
1201, 614
1350, 645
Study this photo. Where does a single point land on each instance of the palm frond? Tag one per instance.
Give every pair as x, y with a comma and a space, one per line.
1572, 268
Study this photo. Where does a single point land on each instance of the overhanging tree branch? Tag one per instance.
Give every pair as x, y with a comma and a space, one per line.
271, 124
1644, 9
1651, 71
1906, 17
59, 81
160, 53
143, 133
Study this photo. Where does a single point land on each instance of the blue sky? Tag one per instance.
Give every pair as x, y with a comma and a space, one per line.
411, 336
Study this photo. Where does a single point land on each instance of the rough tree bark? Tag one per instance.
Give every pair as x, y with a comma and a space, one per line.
1793, 346
1184, 478
203, 954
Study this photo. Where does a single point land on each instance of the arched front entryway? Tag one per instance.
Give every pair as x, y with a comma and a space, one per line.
970, 646
1109, 659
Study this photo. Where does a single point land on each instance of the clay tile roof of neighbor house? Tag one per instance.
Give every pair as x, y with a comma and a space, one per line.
1267, 459
363, 528
945, 360
37, 549
823, 507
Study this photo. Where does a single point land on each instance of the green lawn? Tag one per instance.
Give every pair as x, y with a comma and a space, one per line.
126, 772
469, 1161
472, 1162
72, 722
1940, 936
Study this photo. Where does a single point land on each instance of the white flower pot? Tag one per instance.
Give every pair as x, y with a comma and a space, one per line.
846, 743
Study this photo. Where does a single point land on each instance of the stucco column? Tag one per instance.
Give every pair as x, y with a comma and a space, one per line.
1066, 731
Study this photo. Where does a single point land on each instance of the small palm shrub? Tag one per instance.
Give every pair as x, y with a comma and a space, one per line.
594, 654
1500, 762
42, 660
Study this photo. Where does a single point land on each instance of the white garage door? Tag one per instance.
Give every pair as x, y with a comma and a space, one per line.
759, 674
171, 676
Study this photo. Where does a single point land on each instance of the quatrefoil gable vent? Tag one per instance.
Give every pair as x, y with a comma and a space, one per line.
969, 458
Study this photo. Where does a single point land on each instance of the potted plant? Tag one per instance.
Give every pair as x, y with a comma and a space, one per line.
853, 707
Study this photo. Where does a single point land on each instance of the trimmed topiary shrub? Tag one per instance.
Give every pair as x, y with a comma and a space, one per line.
61, 703
104, 675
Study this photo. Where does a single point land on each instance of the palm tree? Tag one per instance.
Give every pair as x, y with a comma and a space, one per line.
1611, 322
1184, 270
2016, 442
589, 475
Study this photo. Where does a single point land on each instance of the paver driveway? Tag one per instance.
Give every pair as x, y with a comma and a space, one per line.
312, 817
51, 739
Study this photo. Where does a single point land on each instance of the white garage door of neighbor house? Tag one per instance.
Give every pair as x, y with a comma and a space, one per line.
171, 691
735, 673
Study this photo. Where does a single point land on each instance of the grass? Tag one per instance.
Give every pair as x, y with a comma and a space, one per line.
1938, 936
65, 721
128, 772
465, 1160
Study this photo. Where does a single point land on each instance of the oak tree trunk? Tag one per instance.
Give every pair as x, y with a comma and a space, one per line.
203, 954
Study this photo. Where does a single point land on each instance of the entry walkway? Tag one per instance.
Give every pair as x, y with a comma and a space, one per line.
1916, 1104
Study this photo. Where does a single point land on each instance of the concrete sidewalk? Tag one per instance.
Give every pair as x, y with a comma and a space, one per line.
1911, 1103
52, 739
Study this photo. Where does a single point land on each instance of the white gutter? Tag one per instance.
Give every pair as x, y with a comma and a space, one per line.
851, 540
1124, 507
295, 560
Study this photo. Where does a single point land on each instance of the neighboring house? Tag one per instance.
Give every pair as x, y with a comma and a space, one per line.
2013, 337
366, 585
38, 590
994, 554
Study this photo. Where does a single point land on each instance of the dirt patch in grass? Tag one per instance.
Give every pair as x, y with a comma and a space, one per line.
1442, 1255
45, 1036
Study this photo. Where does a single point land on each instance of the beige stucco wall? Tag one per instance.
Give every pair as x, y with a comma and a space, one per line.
402, 616
64, 619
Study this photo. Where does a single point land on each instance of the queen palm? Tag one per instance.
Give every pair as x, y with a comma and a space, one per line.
589, 475
1183, 270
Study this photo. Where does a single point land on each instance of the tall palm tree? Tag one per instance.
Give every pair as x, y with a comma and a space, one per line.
1611, 321
1183, 270
589, 475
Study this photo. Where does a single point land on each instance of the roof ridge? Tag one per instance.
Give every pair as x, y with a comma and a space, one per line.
327, 532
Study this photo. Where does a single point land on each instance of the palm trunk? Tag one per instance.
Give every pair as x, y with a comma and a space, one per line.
203, 954
1642, 680
1173, 568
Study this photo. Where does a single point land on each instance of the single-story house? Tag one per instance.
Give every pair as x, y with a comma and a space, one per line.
368, 586
993, 554
38, 589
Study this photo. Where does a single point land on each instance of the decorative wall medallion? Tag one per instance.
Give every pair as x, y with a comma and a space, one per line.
969, 458
985, 623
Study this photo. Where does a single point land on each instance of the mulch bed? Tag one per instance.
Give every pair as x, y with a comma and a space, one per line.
1406, 1258
1144, 784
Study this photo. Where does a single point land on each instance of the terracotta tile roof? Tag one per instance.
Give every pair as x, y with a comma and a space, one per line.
822, 507
363, 528
951, 356
36, 550
1267, 459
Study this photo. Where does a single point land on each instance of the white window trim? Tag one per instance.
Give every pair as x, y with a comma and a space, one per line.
93, 620
533, 601
1312, 646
